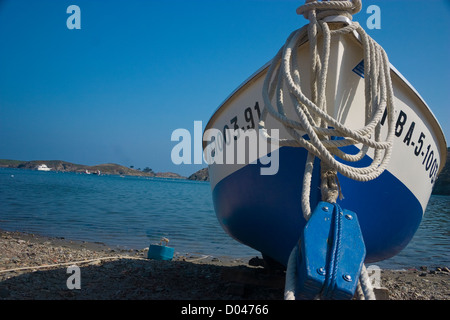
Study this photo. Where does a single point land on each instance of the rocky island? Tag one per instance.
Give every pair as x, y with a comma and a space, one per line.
200, 175
442, 186
107, 168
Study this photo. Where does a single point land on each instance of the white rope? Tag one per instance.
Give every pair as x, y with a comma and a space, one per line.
366, 285
283, 81
291, 276
45, 266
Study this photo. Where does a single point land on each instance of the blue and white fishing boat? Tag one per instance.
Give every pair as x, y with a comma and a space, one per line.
342, 113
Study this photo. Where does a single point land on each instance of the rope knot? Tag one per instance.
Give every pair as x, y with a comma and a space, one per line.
315, 10
330, 187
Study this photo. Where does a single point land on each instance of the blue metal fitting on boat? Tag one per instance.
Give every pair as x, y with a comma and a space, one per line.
331, 256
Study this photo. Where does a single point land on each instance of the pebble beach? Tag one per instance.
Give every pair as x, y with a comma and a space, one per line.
34, 267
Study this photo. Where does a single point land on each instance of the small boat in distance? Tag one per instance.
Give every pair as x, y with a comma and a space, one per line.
43, 167
97, 173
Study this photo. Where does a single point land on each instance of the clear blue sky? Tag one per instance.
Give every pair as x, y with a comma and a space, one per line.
138, 69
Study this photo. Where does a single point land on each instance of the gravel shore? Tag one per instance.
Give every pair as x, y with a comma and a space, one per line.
109, 274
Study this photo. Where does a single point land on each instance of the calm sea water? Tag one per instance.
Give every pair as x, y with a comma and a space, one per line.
134, 212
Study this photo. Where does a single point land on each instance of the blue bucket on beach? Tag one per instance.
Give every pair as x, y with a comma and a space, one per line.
161, 251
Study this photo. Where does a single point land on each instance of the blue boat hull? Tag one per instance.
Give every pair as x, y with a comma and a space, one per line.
264, 212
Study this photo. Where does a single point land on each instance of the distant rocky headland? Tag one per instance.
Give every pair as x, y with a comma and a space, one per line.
200, 175
107, 168
442, 186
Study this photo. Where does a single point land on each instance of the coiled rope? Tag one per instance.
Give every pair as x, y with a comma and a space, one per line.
283, 81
